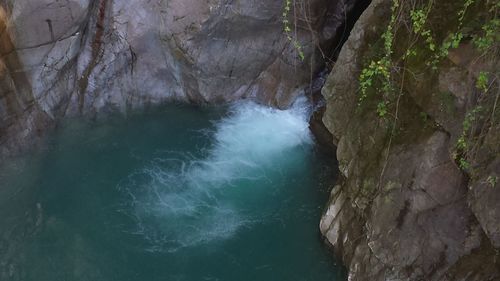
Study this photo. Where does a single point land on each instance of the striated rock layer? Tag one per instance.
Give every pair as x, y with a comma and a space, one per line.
62, 58
404, 209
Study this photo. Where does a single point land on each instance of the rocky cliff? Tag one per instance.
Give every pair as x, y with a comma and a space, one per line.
412, 104
62, 58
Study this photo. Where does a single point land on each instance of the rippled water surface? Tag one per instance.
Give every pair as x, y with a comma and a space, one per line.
177, 193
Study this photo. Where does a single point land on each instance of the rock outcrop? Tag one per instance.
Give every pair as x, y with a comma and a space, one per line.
62, 58
405, 210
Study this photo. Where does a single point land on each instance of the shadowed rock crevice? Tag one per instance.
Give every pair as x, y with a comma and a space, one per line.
96, 53
339, 20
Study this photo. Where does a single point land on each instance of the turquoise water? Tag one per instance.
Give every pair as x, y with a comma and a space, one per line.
175, 193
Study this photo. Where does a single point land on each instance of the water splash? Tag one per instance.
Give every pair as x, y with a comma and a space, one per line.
181, 201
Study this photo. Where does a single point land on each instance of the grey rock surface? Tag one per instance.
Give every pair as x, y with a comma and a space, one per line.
72, 57
405, 210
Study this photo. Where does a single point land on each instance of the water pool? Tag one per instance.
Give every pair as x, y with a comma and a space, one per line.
175, 193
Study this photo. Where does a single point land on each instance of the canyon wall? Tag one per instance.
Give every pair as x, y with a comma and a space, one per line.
61, 58
420, 161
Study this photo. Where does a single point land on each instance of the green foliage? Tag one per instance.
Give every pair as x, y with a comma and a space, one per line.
463, 142
452, 42
411, 52
462, 12
482, 81
463, 164
388, 35
492, 180
419, 19
470, 117
376, 75
490, 35
382, 109
428, 42
380, 69
288, 29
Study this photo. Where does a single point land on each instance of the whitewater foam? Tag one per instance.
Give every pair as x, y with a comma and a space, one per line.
180, 201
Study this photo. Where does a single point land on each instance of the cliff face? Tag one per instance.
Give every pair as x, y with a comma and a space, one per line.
415, 203
71, 57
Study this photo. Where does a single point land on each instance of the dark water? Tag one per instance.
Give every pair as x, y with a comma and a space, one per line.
177, 193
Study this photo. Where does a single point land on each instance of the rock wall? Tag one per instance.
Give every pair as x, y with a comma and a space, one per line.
70, 57
405, 210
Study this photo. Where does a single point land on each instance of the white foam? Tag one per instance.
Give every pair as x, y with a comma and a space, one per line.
185, 206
